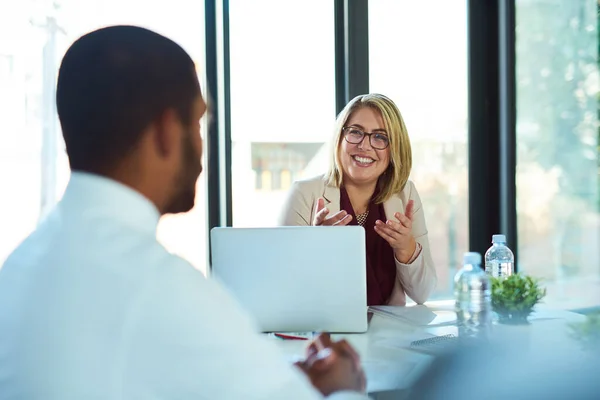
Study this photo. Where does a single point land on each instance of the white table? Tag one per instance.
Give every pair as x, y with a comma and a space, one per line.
390, 364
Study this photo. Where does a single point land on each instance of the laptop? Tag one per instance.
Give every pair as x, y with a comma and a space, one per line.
295, 278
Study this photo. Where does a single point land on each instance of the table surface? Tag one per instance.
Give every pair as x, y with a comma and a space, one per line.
391, 365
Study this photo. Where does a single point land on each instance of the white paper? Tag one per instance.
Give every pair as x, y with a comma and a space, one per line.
416, 315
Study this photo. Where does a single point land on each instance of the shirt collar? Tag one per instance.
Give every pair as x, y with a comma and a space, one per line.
96, 194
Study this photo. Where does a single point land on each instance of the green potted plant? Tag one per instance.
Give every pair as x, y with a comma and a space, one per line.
514, 297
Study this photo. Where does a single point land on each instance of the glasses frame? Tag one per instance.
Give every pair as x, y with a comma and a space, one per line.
365, 134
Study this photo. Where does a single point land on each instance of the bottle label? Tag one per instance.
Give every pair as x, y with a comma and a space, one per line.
498, 269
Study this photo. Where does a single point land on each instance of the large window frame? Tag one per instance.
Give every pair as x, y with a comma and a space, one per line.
492, 150
491, 64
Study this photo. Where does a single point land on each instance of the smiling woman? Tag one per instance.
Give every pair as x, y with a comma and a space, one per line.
367, 184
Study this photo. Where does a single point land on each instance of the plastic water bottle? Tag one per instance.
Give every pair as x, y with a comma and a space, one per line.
472, 293
499, 259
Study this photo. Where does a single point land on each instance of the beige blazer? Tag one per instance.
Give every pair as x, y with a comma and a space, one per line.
417, 279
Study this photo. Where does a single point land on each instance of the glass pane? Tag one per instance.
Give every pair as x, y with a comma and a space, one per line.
282, 100
33, 164
418, 58
558, 186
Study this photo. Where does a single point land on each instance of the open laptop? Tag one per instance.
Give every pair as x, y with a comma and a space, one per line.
295, 279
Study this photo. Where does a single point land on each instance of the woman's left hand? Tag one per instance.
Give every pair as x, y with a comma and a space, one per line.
399, 234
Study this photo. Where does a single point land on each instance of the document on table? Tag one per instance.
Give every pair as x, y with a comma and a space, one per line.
416, 315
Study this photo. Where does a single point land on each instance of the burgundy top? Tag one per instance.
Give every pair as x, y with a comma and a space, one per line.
381, 267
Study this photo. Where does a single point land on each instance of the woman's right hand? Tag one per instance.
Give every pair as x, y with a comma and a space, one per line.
340, 218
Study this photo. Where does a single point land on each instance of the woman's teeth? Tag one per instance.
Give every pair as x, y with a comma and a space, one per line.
363, 160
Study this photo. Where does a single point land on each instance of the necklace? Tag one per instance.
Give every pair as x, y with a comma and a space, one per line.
362, 218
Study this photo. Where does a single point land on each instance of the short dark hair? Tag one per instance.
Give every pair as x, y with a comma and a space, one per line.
112, 84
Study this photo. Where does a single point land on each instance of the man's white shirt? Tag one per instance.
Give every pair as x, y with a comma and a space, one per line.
93, 307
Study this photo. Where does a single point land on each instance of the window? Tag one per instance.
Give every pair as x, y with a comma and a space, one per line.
282, 101
418, 58
33, 164
558, 181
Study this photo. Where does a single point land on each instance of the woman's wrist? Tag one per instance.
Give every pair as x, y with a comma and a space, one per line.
405, 254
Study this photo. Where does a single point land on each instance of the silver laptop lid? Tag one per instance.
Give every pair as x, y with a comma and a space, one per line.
295, 279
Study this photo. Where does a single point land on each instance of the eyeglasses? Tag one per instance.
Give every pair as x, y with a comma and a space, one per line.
354, 135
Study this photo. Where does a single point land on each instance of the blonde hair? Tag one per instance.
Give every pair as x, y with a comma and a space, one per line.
393, 180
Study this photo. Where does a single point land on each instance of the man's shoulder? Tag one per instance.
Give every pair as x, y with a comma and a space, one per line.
98, 247
179, 293
172, 270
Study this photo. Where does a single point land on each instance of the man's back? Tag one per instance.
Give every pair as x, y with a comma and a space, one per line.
91, 306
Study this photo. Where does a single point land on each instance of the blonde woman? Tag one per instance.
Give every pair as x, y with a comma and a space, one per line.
367, 184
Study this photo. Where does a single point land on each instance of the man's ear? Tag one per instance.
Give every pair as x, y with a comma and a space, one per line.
168, 131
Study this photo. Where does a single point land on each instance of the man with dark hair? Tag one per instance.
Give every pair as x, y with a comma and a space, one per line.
113, 85
91, 305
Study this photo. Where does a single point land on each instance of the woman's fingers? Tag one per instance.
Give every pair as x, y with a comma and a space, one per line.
337, 217
320, 212
404, 220
320, 205
398, 227
408, 212
320, 216
344, 221
385, 233
393, 229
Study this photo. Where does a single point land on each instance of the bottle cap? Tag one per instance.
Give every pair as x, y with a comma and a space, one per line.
472, 258
499, 239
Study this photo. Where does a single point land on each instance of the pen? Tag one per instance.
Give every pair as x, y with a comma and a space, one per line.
296, 336
289, 337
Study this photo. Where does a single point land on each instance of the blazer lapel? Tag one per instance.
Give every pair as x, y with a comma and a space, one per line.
393, 205
331, 195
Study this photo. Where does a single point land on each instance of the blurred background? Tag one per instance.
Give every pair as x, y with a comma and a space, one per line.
503, 116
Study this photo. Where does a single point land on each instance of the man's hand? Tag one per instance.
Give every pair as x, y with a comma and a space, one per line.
333, 366
339, 218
